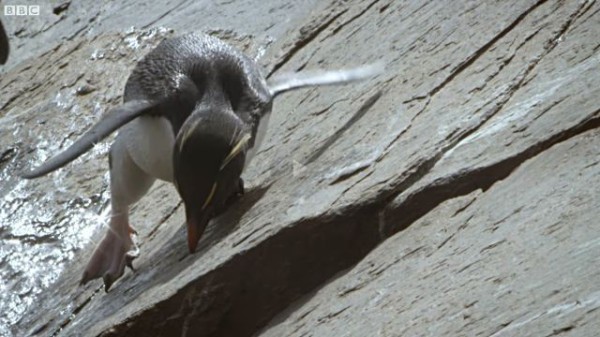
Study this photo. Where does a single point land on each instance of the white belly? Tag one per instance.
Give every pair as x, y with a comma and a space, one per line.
150, 142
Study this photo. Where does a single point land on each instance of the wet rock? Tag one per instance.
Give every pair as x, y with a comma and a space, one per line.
42, 225
462, 180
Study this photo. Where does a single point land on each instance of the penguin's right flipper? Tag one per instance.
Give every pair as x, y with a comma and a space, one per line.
3, 45
287, 82
115, 118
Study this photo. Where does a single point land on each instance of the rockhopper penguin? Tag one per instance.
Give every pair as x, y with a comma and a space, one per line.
195, 111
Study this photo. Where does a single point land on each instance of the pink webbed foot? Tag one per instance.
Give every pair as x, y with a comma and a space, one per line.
116, 251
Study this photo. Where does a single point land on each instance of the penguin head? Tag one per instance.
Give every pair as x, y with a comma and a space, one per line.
208, 160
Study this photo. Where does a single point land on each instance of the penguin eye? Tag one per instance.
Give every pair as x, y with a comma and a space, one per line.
233, 88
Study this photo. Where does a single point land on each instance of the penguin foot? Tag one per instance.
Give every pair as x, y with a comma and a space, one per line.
112, 255
240, 190
232, 198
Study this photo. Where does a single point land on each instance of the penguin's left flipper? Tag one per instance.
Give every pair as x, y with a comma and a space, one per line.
115, 118
291, 81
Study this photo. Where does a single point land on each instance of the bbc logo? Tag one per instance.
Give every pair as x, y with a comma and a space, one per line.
21, 10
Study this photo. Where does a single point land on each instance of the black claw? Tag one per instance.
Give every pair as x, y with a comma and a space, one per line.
129, 262
108, 281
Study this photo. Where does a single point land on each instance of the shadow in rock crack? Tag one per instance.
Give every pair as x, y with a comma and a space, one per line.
406, 211
247, 290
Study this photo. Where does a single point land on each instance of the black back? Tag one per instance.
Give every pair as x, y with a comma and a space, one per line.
187, 70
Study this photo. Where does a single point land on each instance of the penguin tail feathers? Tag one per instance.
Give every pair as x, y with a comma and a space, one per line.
115, 118
286, 82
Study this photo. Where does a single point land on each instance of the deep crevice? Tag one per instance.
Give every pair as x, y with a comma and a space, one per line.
462, 183
221, 303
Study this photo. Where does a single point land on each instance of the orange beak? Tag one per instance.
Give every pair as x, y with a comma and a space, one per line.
196, 226
193, 237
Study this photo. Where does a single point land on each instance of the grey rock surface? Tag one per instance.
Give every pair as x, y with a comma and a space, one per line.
455, 194
518, 259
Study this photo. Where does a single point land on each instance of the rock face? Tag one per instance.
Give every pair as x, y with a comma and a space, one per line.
519, 259
456, 194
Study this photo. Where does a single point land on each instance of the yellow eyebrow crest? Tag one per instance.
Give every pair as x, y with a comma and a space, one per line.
210, 196
188, 132
236, 150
